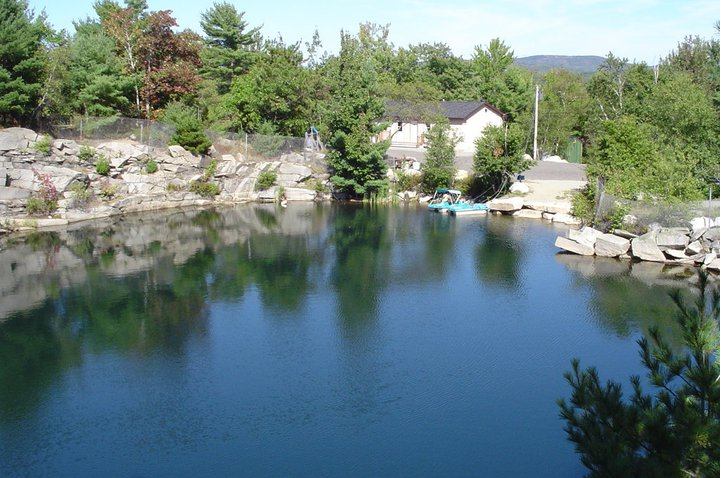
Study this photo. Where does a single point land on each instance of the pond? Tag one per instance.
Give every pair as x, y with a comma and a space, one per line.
312, 340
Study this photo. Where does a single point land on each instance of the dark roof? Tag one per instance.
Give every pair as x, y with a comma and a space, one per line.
453, 110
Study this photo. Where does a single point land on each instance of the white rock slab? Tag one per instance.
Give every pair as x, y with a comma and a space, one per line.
610, 245
506, 204
645, 248
573, 246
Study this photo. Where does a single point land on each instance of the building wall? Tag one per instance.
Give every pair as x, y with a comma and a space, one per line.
473, 128
412, 134
409, 134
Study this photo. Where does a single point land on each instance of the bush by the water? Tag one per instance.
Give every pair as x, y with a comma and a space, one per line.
265, 180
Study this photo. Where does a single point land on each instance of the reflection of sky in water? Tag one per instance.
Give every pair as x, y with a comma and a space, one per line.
307, 341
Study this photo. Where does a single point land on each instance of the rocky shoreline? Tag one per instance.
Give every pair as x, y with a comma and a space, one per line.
697, 245
129, 186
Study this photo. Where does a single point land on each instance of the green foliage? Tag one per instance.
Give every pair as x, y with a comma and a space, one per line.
563, 111
634, 163
203, 186
407, 182
615, 217
673, 432
96, 84
205, 189
80, 195
439, 171
583, 204
86, 154
188, 128
496, 81
102, 166
229, 46
151, 166
499, 157
22, 61
265, 180
358, 165
43, 145
277, 90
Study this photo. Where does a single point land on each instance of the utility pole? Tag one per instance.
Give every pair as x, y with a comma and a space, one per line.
535, 127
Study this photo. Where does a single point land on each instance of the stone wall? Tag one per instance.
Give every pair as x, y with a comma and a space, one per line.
68, 163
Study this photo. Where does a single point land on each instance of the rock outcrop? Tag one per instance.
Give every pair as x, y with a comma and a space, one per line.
662, 245
130, 185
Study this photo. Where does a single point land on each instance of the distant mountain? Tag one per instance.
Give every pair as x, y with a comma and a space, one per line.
585, 65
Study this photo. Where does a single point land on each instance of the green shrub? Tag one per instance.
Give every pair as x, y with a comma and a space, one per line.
86, 154
43, 145
80, 195
173, 187
203, 186
151, 166
188, 129
583, 204
615, 217
102, 167
265, 180
210, 170
266, 141
35, 206
205, 189
108, 191
317, 185
408, 182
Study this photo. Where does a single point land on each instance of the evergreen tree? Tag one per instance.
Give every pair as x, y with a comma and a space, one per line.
229, 47
672, 433
22, 61
353, 111
188, 128
97, 86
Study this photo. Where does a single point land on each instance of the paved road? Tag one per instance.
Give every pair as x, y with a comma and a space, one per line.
543, 170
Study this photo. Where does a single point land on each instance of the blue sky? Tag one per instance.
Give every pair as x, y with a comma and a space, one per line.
641, 30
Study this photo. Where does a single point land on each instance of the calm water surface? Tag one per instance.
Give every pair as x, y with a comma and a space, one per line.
309, 341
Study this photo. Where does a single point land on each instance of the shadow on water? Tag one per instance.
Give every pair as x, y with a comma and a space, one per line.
499, 255
361, 244
627, 296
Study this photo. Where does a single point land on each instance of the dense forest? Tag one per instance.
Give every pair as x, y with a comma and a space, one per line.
647, 130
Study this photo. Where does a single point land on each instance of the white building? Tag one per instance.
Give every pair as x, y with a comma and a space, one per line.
468, 119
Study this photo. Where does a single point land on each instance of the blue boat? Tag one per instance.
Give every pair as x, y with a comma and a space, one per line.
443, 199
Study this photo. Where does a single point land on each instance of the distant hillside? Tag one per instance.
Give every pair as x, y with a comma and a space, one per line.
585, 65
